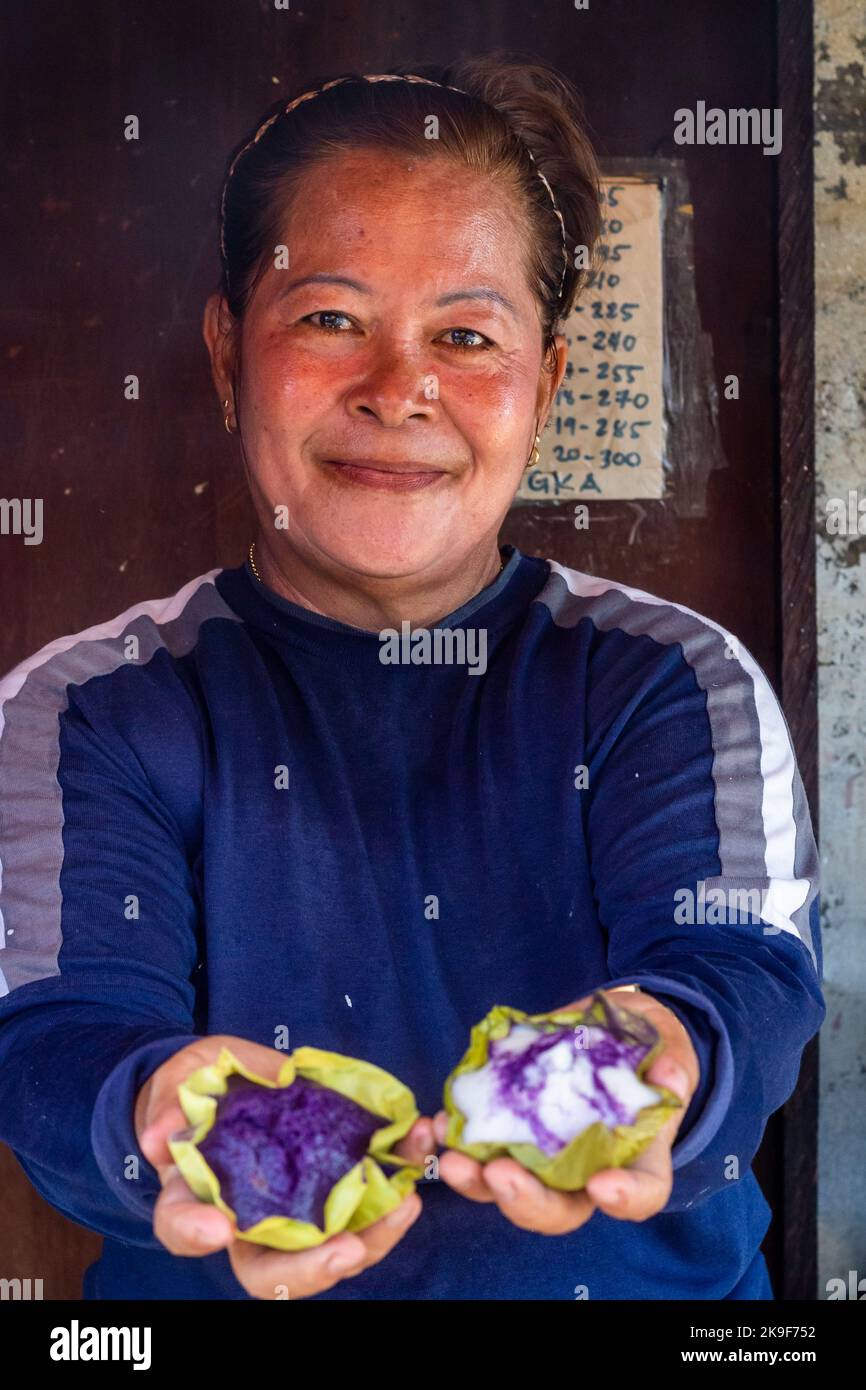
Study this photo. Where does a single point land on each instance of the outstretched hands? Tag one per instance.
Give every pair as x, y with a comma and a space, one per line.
630, 1194
186, 1226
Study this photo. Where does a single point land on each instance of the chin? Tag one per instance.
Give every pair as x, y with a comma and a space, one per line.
384, 553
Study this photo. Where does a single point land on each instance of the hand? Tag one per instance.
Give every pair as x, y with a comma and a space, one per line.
186, 1226
645, 1185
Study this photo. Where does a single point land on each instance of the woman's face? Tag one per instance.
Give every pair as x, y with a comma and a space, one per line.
391, 377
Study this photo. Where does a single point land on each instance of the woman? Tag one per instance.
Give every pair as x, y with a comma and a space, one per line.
232, 815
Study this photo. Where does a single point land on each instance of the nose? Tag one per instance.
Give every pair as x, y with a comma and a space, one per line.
394, 389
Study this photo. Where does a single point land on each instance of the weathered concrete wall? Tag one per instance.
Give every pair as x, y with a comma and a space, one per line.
840, 364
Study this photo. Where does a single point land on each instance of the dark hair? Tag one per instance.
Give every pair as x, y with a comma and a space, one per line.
512, 120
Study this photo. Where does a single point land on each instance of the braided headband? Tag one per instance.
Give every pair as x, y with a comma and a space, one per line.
377, 77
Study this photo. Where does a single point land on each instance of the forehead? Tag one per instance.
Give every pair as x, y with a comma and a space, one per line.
429, 216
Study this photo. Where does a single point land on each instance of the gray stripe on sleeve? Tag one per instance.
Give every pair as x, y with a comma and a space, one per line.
754, 769
31, 811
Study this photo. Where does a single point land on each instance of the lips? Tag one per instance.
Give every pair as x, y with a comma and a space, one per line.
407, 475
382, 466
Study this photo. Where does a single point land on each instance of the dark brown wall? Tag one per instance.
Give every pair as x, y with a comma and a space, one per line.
111, 251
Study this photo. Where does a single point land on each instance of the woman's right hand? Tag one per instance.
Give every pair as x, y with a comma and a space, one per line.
186, 1226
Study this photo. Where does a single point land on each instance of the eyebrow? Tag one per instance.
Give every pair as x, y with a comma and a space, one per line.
483, 292
323, 277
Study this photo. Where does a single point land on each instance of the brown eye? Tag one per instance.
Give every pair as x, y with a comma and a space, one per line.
462, 334
327, 321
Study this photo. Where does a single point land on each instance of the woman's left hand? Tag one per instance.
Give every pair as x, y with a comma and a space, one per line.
630, 1194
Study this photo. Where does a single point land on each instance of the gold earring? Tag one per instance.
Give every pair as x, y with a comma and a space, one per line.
226, 418
535, 456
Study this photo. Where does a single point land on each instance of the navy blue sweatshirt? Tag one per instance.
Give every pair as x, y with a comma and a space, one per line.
222, 813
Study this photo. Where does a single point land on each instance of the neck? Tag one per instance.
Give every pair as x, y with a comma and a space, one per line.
373, 603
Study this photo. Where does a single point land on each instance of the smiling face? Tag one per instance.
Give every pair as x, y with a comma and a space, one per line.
392, 379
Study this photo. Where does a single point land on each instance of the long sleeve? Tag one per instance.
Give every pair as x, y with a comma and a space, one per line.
98, 931
706, 878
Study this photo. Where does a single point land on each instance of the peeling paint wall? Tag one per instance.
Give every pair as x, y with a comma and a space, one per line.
840, 386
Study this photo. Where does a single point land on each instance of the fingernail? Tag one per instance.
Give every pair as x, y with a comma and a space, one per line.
343, 1260
506, 1191
401, 1215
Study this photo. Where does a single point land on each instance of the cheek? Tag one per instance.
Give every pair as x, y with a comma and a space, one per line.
493, 409
286, 387
305, 378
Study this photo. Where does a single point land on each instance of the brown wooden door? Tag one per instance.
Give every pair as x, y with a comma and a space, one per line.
112, 251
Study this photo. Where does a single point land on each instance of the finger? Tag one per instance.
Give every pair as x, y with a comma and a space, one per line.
380, 1238
678, 1057
527, 1203
641, 1190
158, 1111
277, 1274
465, 1175
186, 1226
644, 1188
629, 1195
668, 1071
154, 1138
420, 1143
536, 1208
459, 1170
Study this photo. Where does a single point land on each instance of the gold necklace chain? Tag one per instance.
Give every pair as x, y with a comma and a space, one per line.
259, 577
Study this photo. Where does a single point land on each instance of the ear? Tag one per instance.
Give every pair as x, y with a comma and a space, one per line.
219, 333
552, 373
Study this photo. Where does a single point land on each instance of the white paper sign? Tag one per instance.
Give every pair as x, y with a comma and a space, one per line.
605, 436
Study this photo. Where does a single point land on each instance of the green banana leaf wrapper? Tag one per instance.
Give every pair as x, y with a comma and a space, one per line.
364, 1194
596, 1147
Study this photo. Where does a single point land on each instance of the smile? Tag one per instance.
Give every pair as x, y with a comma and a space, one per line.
408, 477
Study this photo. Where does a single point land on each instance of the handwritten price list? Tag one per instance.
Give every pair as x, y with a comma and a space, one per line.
605, 436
